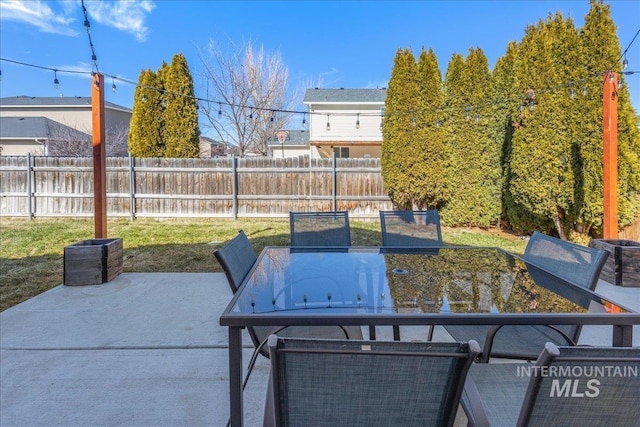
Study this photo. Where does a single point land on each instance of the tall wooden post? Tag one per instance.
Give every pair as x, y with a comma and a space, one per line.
99, 156
610, 153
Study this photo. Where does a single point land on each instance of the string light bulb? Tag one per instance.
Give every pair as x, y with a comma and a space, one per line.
625, 63
304, 121
219, 109
251, 114
358, 121
113, 86
328, 124
56, 82
584, 90
530, 96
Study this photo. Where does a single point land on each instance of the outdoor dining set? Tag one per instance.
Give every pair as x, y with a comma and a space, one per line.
506, 350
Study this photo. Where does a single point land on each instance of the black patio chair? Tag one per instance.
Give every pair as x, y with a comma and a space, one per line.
578, 386
545, 256
365, 383
236, 259
411, 229
320, 229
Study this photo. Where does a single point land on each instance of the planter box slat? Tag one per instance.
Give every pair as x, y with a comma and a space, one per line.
623, 265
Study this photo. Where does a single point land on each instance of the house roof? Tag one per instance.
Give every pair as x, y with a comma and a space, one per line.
345, 95
212, 141
290, 138
57, 101
34, 128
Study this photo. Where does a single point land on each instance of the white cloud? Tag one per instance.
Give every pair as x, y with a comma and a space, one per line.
124, 15
37, 13
81, 69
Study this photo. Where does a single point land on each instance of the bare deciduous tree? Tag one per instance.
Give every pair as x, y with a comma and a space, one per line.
116, 140
247, 93
69, 142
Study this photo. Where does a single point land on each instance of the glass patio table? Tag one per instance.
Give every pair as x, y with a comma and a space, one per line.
371, 286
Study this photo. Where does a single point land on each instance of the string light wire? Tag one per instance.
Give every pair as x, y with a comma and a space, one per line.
87, 26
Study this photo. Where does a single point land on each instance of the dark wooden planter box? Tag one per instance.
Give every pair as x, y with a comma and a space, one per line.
623, 264
91, 262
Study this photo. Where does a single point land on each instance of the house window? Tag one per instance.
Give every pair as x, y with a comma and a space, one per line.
341, 152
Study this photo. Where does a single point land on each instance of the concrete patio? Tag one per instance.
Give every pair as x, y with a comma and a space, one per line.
145, 349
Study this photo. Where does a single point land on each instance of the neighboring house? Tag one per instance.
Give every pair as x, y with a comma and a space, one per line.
22, 135
212, 148
291, 143
70, 112
346, 122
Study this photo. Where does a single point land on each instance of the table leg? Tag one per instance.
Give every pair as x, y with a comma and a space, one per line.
235, 376
622, 336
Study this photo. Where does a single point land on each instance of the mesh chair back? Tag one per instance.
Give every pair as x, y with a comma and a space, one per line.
577, 264
320, 228
367, 383
411, 228
589, 386
236, 258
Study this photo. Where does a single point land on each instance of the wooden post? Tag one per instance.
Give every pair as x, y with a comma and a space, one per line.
610, 154
99, 156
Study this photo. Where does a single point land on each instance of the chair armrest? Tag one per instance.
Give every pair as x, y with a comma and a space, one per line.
491, 334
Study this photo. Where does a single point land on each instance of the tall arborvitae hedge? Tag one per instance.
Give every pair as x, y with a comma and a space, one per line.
429, 172
544, 157
181, 131
474, 157
145, 137
165, 116
398, 130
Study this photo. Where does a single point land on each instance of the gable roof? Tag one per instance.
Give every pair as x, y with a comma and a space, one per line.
342, 95
57, 101
34, 127
292, 138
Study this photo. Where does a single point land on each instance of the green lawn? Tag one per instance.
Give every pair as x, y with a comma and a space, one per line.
31, 252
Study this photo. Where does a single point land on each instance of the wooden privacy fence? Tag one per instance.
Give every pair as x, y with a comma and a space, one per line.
32, 186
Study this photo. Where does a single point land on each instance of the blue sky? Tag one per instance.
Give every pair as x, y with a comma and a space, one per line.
328, 43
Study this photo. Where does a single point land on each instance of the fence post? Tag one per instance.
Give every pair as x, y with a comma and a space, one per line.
234, 186
132, 189
29, 201
334, 183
